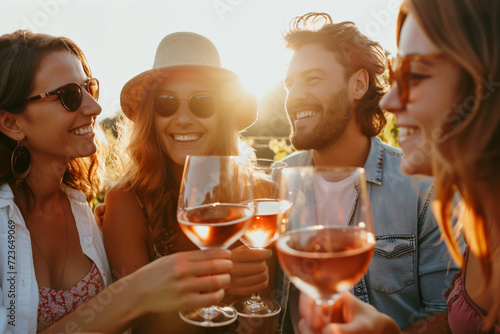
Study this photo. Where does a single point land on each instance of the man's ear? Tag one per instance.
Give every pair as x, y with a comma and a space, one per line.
358, 84
9, 126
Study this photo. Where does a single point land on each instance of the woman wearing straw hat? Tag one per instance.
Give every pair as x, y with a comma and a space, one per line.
54, 273
187, 104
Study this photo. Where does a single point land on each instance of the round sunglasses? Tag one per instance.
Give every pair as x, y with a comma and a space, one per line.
71, 95
201, 105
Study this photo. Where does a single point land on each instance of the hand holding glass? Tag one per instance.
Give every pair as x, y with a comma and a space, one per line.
328, 244
216, 205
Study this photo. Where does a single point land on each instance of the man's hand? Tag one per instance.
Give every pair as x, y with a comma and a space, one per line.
348, 315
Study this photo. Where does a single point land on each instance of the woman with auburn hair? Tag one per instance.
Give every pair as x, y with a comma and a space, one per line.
53, 269
186, 105
445, 94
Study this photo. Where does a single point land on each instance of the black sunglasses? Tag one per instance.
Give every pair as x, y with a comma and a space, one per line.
71, 95
201, 105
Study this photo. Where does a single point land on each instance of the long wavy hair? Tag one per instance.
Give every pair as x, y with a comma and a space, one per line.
355, 51
147, 169
21, 53
468, 151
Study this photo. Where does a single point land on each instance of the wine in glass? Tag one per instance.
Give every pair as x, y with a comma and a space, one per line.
216, 206
329, 240
269, 214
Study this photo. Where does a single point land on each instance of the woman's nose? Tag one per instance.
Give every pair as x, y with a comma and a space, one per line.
391, 101
89, 105
183, 114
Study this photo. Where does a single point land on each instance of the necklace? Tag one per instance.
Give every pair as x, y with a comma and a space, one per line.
65, 209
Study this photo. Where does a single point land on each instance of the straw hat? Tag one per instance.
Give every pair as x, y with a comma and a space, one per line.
190, 51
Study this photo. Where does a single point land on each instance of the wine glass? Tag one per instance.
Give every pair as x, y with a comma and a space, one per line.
264, 229
329, 240
216, 206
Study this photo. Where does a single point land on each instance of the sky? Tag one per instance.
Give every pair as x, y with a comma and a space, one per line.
120, 37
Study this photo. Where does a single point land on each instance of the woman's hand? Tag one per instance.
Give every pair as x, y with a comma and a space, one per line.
184, 280
348, 315
250, 272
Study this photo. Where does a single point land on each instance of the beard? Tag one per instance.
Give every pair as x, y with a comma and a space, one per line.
330, 127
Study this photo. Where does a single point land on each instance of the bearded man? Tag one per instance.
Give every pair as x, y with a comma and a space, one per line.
334, 82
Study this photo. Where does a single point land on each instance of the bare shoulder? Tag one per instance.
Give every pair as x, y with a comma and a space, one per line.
122, 203
123, 211
120, 196
125, 232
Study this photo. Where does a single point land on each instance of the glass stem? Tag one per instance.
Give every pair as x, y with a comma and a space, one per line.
327, 316
256, 297
208, 313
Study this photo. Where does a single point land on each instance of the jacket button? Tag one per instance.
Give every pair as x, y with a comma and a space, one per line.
358, 289
88, 240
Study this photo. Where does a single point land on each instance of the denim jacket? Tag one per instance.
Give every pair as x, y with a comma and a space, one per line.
411, 267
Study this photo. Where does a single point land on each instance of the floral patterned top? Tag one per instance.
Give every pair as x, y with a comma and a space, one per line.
53, 304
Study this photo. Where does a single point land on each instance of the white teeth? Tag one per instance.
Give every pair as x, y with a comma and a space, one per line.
82, 131
404, 131
186, 138
304, 114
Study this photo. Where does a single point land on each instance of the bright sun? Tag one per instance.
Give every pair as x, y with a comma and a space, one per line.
261, 65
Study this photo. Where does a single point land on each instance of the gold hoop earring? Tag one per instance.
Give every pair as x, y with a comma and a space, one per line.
20, 163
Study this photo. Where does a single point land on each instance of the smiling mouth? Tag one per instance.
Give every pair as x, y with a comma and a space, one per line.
82, 131
305, 114
407, 131
186, 138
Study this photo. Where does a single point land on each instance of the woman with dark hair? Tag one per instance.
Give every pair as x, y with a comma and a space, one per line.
53, 267
446, 97
187, 104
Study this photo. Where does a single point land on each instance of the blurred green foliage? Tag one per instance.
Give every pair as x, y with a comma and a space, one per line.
390, 134
280, 147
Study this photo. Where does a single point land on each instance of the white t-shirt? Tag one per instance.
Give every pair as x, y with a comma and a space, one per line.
334, 201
